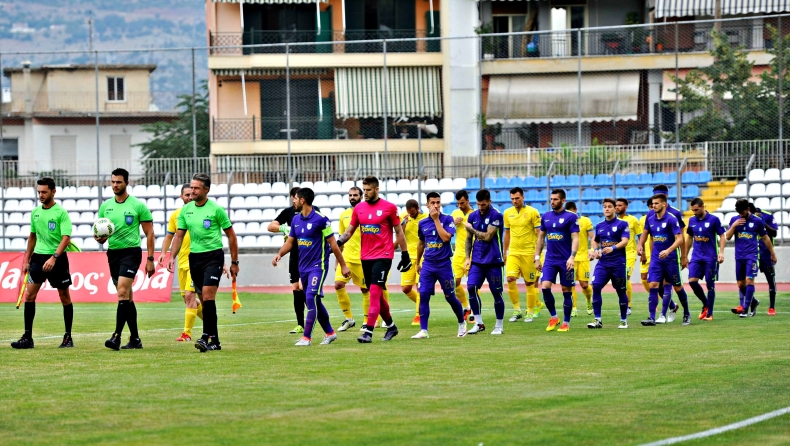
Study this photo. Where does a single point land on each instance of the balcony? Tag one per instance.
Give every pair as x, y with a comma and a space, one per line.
309, 42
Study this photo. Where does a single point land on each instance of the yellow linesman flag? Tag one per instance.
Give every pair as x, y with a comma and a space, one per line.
236, 301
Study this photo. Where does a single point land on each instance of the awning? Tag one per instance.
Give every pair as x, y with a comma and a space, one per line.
412, 92
269, 72
668, 83
554, 98
269, 1
686, 8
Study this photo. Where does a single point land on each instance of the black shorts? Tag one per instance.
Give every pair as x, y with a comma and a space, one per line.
766, 266
376, 272
124, 262
293, 266
206, 268
59, 277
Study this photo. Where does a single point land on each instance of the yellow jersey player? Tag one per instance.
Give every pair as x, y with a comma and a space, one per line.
194, 307
521, 224
410, 222
645, 260
586, 232
460, 217
635, 228
351, 256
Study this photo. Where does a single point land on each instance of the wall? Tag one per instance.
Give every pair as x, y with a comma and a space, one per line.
229, 100
227, 18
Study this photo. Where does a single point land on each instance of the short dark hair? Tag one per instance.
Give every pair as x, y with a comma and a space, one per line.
121, 173
752, 208
570, 205
46, 181
185, 186
203, 178
461, 194
371, 181
293, 191
741, 205
356, 189
559, 192
607, 200
697, 202
432, 195
661, 189
649, 202
307, 194
517, 190
623, 200
660, 197
483, 195
412, 204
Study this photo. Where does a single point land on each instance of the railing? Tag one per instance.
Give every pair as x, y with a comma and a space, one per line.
352, 41
306, 128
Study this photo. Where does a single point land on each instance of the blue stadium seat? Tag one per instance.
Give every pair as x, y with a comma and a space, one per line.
646, 192
529, 182
490, 183
673, 192
672, 177
541, 182
473, 184
630, 179
691, 191
573, 194
659, 178
558, 181
572, 180
542, 208
645, 179
515, 182
589, 194
503, 196
703, 177
502, 183
689, 177
620, 179
501, 207
632, 193
531, 195
588, 179
603, 193
620, 192
603, 179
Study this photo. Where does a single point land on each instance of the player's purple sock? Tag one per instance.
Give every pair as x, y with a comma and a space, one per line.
567, 305
425, 310
711, 298
474, 302
697, 289
665, 299
309, 321
623, 298
748, 296
742, 295
668, 295
548, 299
323, 316
684, 301
455, 304
597, 302
499, 305
652, 302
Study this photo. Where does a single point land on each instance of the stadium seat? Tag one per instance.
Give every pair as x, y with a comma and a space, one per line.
691, 191
531, 195
619, 192
12, 231
772, 175
431, 184
762, 202
528, 182
672, 177
602, 180
263, 241
572, 180
248, 241
335, 187
445, 185
728, 205
154, 204
81, 205
572, 194
558, 181
154, 190
673, 192
12, 192
336, 200
503, 183
321, 201
786, 189
502, 196
689, 177
89, 244
254, 227
461, 183
644, 179
280, 201
756, 175
589, 194
13, 205
18, 244
402, 198
774, 204
757, 190
407, 185
251, 202
719, 215
659, 178
237, 189
84, 192
490, 183
541, 182
603, 193
631, 193
15, 217
773, 190
448, 198
703, 177
221, 201
630, 179
266, 215
739, 191
139, 191
333, 214
279, 188
265, 202
588, 180
473, 184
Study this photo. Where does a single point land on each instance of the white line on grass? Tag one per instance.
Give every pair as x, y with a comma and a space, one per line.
722, 429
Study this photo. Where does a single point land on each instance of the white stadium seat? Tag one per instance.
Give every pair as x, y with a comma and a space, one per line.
155, 204
786, 174
254, 227
392, 197
762, 202
448, 198
431, 184
321, 201
172, 190
250, 189
68, 192
222, 201
279, 188
15, 217
773, 190
771, 175
89, 244
263, 240
28, 192
390, 186
280, 201
334, 187
403, 198
218, 189
251, 202
12, 192
18, 244
728, 205
83, 231
405, 185
775, 204
78, 242
740, 191
26, 205
94, 206
757, 190
336, 200
336, 227
264, 202
268, 215
346, 185
236, 189
248, 241
728, 217
154, 190
240, 227
159, 216
74, 217
335, 214
139, 191
256, 215
719, 215
445, 184
319, 187
307, 184
264, 188
12, 231
13, 205
238, 215
756, 174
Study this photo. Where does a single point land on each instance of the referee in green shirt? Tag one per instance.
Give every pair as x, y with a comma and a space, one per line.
45, 259
124, 254
206, 221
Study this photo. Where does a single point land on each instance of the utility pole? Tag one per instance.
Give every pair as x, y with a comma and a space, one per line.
90, 30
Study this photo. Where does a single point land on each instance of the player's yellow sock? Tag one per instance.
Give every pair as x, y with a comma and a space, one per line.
345, 302
646, 285
366, 304
515, 299
573, 294
629, 290
532, 297
189, 320
460, 293
587, 293
413, 295
200, 310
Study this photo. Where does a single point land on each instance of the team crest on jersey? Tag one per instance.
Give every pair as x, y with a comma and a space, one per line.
309, 226
378, 213
663, 225
370, 216
129, 220
206, 223
751, 225
52, 226
562, 220
487, 220
614, 229
707, 224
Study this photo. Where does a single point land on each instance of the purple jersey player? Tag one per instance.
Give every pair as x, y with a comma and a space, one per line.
560, 228
747, 230
766, 266
435, 252
312, 233
484, 260
611, 237
664, 228
667, 302
704, 231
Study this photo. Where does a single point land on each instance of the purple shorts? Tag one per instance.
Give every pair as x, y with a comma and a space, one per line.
745, 269
667, 271
709, 270
478, 274
551, 270
433, 271
604, 273
313, 281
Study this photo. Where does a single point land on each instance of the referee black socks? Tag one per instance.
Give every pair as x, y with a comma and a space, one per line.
300, 300
120, 316
131, 319
210, 320
30, 314
68, 316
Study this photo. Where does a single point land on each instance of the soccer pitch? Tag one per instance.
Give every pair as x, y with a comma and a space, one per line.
605, 386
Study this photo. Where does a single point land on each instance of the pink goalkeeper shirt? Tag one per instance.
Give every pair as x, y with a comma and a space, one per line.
375, 222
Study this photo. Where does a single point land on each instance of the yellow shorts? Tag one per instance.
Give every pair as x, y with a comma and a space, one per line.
629, 267
356, 275
410, 277
518, 265
185, 281
458, 267
582, 269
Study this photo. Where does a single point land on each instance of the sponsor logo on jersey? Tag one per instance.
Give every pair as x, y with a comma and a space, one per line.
746, 235
305, 242
607, 244
370, 229
556, 236
701, 239
660, 238
435, 245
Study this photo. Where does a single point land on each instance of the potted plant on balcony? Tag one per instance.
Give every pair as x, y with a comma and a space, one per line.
488, 42
490, 132
639, 36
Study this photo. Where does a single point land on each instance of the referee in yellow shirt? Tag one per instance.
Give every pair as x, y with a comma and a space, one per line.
460, 217
635, 229
586, 232
521, 226
194, 308
410, 222
351, 256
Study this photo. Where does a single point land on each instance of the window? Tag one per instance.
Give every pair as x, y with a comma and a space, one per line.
115, 89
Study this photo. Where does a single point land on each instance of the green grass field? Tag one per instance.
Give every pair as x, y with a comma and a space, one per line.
526, 387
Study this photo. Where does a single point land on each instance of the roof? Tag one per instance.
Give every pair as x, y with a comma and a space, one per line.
83, 67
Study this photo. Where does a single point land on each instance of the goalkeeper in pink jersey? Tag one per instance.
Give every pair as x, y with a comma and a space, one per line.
376, 218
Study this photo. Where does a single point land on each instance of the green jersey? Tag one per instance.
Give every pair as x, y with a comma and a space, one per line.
126, 217
49, 225
205, 225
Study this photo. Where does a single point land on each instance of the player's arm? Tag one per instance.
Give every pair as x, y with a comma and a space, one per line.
175, 248
338, 255
571, 262
343, 238
443, 233
285, 249
590, 237
233, 247
420, 251
722, 245
31, 245
484, 236
678, 242
165, 247
640, 246
594, 246
148, 230
64, 243
770, 246
470, 241
506, 244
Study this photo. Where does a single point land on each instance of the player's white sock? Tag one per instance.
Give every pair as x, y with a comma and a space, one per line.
462, 325
478, 319
500, 323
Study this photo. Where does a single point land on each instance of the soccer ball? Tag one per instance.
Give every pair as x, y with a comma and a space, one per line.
103, 227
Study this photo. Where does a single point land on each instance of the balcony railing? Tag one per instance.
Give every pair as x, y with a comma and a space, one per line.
352, 41
255, 128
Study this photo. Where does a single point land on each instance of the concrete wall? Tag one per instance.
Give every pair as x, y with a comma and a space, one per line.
257, 270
